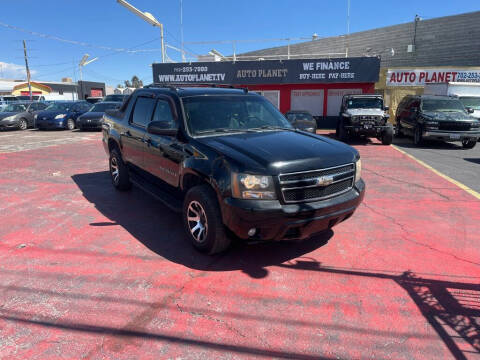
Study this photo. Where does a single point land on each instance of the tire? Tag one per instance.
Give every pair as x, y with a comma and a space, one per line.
70, 124
398, 130
201, 211
387, 136
23, 124
342, 134
417, 136
119, 171
469, 144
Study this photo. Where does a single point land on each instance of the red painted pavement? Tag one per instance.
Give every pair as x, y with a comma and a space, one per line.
88, 272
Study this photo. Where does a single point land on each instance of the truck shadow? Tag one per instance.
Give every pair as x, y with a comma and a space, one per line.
451, 308
161, 230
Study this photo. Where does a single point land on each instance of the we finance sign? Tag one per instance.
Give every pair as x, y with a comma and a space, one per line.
420, 77
296, 71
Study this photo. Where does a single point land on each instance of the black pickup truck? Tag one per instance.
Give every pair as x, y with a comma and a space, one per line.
231, 163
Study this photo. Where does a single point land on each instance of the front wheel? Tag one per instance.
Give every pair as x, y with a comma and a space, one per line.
119, 171
70, 124
469, 143
23, 124
417, 136
398, 130
387, 136
203, 221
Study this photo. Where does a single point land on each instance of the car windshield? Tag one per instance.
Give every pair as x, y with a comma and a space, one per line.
299, 117
59, 107
235, 113
442, 105
472, 102
15, 108
100, 107
365, 103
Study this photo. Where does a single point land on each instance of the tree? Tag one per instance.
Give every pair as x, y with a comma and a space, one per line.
135, 82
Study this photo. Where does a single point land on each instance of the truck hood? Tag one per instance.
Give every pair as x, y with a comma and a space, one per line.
447, 116
368, 112
91, 115
276, 152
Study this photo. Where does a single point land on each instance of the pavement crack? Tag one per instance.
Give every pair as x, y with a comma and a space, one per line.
432, 189
406, 235
209, 317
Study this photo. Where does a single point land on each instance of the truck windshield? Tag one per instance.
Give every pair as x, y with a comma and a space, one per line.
365, 103
472, 102
442, 105
235, 113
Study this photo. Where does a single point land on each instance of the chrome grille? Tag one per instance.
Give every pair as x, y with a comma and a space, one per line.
316, 184
454, 125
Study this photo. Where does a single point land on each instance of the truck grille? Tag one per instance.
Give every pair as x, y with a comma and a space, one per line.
369, 118
454, 126
316, 184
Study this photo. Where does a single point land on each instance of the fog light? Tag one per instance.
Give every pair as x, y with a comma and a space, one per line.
252, 232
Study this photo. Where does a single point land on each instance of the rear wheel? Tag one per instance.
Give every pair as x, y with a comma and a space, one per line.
23, 124
70, 124
387, 136
469, 143
203, 221
119, 171
417, 136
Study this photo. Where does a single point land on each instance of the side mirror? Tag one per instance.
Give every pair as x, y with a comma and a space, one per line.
386, 108
161, 128
470, 110
414, 110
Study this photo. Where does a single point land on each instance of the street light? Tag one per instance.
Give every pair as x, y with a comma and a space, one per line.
84, 62
148, 18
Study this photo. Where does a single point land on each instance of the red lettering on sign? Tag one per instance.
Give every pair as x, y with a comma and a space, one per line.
441, 77
412, 77
392, 78
422, 75
454, 73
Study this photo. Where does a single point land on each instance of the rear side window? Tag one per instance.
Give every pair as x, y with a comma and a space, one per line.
142, 113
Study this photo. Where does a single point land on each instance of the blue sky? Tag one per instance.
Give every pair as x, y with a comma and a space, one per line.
104, 23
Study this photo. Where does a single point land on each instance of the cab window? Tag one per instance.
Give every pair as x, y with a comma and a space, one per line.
142, 113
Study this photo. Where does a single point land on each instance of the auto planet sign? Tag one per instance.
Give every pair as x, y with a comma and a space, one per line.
339, 70
418, 77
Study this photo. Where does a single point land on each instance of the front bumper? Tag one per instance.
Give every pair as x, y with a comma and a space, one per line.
369, 130
276, 221
50, 124
89, 124
9, 124
451, 135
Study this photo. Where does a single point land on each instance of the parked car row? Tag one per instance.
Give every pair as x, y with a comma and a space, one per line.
54, 115
421, 116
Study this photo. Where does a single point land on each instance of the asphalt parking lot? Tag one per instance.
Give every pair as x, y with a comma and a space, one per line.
88, 272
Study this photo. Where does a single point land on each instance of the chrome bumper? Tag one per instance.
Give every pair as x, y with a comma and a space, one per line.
452, 135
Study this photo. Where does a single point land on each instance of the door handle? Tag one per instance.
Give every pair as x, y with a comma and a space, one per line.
126, 133
147, 141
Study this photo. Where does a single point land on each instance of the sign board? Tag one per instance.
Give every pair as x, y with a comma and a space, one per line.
420, 77
309, 100
339, 70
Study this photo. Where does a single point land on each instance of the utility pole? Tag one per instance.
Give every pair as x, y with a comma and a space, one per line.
27, 69
348, 28
181, 30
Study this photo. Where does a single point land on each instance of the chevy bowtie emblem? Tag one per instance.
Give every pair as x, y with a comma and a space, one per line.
324, 180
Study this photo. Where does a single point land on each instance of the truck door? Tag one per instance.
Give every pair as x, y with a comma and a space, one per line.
133, 133
164, 153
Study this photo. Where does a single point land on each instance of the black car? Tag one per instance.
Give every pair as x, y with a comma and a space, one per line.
438, 118
115, 97
232, 164
20, 115
92, 119
302, 120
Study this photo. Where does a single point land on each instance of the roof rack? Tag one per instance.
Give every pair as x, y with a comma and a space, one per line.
176, 86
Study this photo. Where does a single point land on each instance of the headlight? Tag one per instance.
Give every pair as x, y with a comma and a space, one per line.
60, 116
476, 124
358, 170
259, 187
35, 117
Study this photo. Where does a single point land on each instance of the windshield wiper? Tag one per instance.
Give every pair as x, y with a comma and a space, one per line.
221, 130
272, 127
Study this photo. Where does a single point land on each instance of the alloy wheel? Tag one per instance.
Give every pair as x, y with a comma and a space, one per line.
23, 125
114, 170
197, 221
